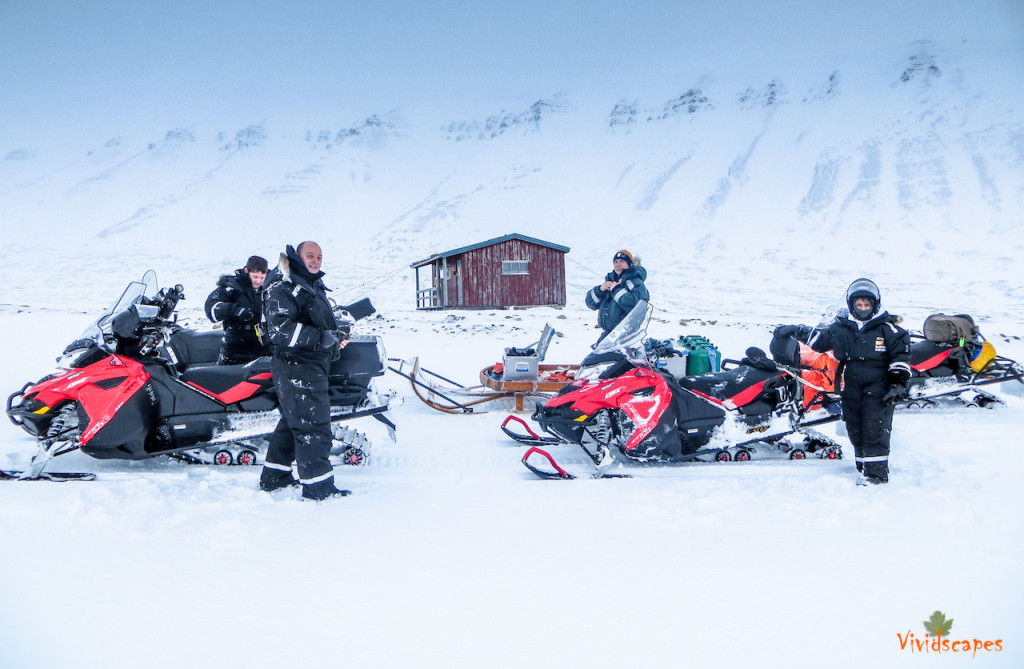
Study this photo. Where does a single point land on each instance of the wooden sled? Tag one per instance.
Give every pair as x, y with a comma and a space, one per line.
495, 392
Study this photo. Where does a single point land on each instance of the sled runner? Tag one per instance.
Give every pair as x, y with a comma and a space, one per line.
621, 411
137, 385
520, 378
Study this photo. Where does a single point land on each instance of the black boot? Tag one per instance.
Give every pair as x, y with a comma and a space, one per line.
272, 479
323, 490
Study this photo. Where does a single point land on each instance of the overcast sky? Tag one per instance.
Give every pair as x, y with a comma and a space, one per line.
84, 65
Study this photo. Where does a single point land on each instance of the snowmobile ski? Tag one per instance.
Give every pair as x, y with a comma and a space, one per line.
56, 477
531, 438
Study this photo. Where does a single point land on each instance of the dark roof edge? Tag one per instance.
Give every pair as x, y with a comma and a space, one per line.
490, 242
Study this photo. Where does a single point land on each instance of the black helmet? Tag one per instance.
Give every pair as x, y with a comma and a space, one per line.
863, 288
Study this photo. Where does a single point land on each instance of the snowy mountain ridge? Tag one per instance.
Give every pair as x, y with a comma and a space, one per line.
898, 157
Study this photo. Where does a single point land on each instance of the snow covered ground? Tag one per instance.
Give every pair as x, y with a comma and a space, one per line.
450, 553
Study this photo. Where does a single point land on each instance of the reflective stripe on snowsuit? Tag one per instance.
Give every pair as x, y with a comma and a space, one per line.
867, 353
240, 342
613, 306
869, 426
298, 314
303, 434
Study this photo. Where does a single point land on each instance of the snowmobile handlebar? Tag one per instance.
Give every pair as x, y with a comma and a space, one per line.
168, 299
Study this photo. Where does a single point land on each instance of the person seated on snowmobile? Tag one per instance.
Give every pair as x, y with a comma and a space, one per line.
874, 356
237, 302
622, 289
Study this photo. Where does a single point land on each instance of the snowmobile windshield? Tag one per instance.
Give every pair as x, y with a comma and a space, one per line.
833, 312
136, 292
628, 336
622, 346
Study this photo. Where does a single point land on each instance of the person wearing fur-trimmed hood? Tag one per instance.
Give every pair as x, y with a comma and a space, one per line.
304, 337
622, 289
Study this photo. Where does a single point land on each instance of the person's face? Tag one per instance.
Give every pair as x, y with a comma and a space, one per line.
257, 278
862, 304
620, 265
312, 256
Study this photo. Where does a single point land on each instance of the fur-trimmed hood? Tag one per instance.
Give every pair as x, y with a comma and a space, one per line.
293, 270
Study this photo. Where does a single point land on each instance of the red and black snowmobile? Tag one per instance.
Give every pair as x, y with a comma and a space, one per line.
622, 410
951, 361
138, 385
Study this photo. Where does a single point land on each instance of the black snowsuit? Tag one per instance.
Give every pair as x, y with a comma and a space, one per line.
239, 306
301, 328
612, 306
872, 358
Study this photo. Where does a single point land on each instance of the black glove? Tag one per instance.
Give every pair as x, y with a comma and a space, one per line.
243, 314
756, 358
896, 384
799, 332
897, 376
894, 394
328, 339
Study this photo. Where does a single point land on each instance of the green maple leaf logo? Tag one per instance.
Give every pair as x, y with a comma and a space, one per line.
938, 624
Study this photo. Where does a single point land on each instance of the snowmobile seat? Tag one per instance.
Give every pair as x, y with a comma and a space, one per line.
195, 348
742, 387
935, 359
230, 383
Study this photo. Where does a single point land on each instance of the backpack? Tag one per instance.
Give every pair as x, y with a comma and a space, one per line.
956, 330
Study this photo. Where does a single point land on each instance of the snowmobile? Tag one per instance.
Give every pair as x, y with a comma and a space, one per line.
138, 385
622, 410
951, 361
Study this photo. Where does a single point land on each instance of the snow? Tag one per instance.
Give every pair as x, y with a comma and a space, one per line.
449, 553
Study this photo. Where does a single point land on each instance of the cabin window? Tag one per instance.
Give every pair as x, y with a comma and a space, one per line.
515, 267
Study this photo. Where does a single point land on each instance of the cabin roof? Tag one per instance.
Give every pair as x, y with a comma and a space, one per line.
489, 242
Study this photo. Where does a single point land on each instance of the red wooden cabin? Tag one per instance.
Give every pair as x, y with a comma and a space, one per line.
510, 271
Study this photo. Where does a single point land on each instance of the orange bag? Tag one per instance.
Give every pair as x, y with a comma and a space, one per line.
822, 373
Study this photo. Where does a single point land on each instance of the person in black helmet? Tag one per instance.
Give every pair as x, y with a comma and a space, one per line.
874, 355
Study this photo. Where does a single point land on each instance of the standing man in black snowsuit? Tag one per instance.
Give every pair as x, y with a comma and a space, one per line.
874, 356
304, 337
237, 302
622, 289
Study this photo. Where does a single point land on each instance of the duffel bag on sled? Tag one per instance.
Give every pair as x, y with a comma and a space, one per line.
956, 330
